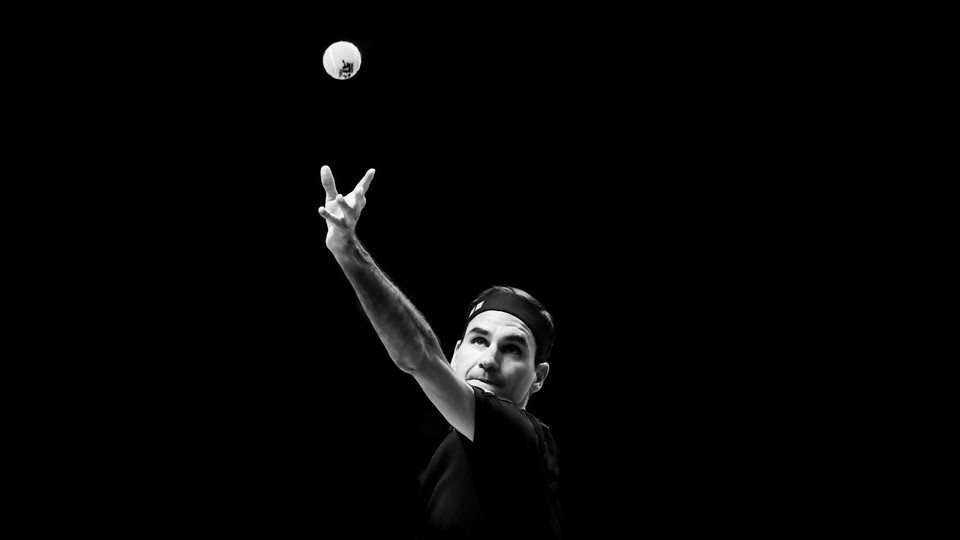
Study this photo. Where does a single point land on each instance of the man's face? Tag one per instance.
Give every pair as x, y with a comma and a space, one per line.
496, 354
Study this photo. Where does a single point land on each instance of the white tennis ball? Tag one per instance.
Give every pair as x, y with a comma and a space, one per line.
342, 60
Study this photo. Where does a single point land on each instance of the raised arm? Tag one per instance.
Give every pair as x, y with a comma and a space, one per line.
409, 340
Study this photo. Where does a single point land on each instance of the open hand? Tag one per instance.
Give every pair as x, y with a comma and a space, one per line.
342, 212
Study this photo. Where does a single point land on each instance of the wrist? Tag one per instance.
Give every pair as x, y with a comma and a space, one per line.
343, 249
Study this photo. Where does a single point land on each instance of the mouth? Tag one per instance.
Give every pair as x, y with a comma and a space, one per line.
488, 383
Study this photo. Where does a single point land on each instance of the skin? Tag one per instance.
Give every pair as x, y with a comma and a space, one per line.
488, 359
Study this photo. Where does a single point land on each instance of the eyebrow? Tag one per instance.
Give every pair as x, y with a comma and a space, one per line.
515, 338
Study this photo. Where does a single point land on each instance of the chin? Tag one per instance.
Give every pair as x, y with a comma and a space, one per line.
484, 386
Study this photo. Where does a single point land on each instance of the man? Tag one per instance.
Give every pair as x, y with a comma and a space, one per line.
495, 473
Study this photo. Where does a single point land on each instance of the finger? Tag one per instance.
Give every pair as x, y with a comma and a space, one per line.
326, 178
364, 184
339, 222
348, 211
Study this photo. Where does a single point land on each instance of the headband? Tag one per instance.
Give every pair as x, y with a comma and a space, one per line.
520, 308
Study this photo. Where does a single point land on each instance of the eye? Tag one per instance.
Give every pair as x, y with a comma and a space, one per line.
513, 349
476, 339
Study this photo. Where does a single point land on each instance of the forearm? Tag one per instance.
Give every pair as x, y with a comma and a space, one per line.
402, 328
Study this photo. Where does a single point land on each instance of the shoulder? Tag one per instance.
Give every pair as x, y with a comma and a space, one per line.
480, 393
501, 422
499, 405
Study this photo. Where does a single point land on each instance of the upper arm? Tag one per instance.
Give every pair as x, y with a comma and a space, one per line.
449, 393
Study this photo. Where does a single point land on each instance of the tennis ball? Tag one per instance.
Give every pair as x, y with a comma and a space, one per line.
342, 60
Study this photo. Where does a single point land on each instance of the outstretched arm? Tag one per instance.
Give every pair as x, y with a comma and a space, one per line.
404, 331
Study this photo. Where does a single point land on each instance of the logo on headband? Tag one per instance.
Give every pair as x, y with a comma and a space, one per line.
475, 308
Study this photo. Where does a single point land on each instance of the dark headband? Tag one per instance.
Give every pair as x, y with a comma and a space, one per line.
520, 308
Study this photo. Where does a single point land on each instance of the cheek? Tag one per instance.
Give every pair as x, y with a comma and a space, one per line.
531, 375
522, 374
463, 362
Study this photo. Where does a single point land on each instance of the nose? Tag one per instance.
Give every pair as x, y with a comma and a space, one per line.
489, 362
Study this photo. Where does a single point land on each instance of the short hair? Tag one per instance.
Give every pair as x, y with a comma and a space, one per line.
543, 349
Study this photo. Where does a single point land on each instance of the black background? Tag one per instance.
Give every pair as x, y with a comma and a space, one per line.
603, 163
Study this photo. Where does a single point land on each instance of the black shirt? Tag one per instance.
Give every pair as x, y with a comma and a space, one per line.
503, 484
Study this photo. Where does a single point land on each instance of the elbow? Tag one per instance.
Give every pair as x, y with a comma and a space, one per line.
418, 361
406, 365
409, 361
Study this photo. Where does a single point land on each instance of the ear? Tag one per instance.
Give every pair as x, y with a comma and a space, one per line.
541, 372
453, 357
